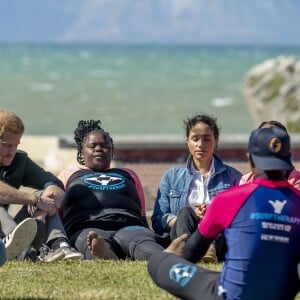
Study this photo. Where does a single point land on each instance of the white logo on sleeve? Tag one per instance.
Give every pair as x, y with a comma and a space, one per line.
277, 205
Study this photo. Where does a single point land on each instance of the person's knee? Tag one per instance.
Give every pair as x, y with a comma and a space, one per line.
129, 237
185, 212
132, 233
136, 242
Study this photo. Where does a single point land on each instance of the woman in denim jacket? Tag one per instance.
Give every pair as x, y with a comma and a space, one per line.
185, 192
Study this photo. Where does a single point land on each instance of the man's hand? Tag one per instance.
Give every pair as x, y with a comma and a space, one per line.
200, 210
47, 205
55, 193
50, 199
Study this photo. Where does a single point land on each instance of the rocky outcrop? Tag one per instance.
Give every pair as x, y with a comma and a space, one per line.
272, 91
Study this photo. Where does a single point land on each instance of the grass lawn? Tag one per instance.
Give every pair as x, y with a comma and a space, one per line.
80, 280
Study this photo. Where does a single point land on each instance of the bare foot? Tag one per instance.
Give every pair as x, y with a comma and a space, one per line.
99, 247
177, 245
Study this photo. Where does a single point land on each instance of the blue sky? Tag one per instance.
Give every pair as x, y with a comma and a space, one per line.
151, 21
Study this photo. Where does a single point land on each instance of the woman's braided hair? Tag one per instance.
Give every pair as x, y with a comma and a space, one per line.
82, 130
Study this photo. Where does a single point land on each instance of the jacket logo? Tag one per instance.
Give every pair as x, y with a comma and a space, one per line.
277, 205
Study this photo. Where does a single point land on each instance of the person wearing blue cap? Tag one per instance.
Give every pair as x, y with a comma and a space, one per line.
261, 224
292, 175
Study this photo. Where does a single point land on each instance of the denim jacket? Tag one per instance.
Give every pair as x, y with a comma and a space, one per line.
174, 187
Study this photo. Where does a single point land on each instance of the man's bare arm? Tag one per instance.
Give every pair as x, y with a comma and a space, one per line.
11, 195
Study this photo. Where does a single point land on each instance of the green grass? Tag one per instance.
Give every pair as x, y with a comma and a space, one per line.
80, 280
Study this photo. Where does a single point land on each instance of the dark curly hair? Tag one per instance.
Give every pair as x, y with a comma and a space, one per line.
273, 123
82, 130
211, 121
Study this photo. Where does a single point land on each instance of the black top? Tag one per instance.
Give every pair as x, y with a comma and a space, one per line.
107, 199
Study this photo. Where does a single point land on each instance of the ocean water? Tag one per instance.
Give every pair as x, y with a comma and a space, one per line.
144, 89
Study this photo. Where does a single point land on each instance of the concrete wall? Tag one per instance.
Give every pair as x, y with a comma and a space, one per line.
58, 153
45, 150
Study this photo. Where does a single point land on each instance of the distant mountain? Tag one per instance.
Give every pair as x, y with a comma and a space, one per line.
159, 21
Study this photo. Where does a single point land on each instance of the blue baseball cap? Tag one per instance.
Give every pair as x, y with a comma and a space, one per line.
270, 149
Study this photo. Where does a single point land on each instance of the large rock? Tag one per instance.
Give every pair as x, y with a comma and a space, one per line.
272, 91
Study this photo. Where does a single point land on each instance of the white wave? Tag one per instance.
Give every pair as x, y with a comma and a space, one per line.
220, 102
85, 54
41, 86
104, 73
110, 84
206, 73
96, 73
53, 75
